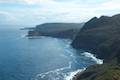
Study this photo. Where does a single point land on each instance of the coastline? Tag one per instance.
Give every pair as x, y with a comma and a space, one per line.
100, 36
73, 75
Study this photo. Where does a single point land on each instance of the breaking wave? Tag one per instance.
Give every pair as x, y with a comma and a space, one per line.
72, 74
89, 55
67, 73
57, 74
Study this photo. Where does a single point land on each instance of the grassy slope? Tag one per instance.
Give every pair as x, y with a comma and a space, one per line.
101, 36
101, 72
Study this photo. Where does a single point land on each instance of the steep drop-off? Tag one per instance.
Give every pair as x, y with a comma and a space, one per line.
101, 36
59, 30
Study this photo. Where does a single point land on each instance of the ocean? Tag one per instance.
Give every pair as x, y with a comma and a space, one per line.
42, 58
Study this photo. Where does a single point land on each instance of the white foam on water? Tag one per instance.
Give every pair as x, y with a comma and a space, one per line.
86, 54
89, 55
72, 74
59, 74
53, 74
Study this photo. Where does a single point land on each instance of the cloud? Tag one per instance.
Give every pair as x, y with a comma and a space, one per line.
26, 1
6, 17
111, 5
40, 11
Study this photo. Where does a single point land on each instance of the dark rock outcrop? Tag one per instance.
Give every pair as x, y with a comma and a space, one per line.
100, 36
59, 30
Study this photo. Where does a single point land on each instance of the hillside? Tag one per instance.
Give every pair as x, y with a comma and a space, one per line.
59, 30
100, 72
101, 36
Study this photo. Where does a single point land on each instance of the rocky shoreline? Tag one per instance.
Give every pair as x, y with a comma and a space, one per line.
58, 30
100, 36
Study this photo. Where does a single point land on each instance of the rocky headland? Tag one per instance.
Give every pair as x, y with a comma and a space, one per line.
58, 30
101, 36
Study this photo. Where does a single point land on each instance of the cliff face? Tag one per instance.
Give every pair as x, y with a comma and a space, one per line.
100, 36
59, 30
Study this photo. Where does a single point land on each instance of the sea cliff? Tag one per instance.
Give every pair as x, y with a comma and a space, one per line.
101, 36
58, 30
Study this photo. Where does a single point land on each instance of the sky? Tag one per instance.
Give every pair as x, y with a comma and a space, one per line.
34, 12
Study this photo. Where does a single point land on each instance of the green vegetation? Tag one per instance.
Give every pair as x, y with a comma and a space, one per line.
59, 30
101, 36
101, 72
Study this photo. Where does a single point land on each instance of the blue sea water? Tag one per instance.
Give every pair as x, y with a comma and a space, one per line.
43, 58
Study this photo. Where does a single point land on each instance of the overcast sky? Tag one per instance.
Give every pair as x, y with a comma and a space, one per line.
42, 11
